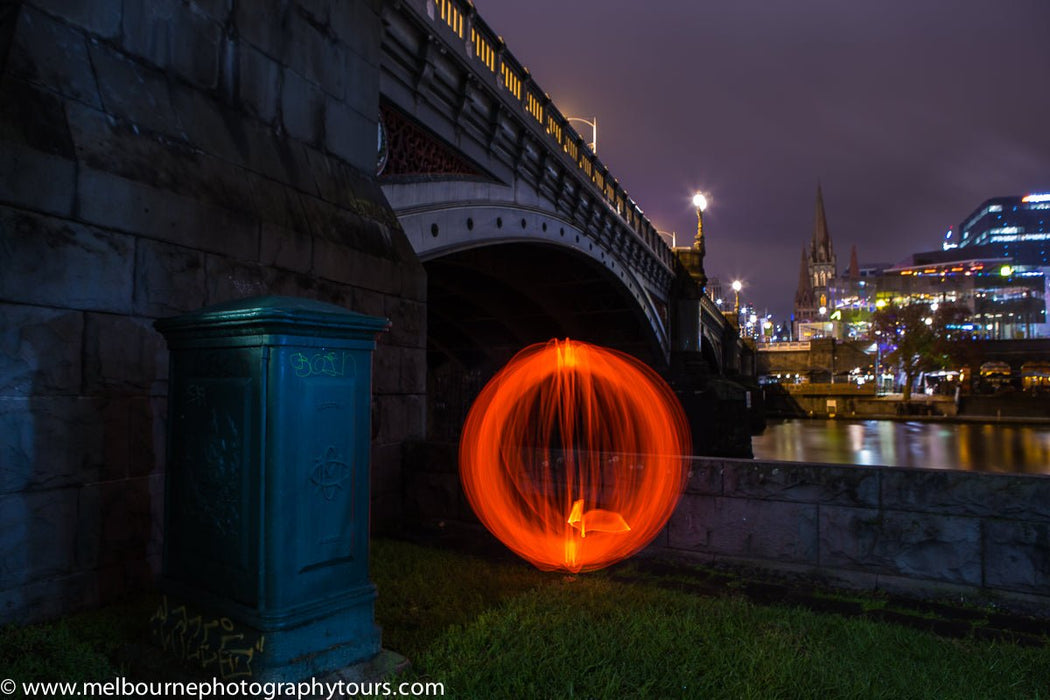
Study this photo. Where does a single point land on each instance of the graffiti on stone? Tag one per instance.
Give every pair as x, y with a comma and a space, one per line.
215, 644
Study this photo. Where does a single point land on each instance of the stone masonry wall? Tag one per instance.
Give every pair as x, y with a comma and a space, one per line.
912, 531
157, 156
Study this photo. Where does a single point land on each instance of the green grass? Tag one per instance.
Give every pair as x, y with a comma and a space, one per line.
552, 636
500, 629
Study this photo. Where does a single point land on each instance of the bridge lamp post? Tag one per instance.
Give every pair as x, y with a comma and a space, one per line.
700, 202
593, 123
737, 286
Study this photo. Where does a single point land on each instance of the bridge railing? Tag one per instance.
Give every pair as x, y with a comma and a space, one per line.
514, 78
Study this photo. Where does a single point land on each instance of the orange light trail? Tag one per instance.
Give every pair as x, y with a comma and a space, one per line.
574, 455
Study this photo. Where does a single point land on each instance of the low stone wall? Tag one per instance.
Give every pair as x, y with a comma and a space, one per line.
910, 531
920, 532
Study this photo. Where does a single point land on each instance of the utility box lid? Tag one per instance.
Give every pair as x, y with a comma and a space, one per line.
270, 315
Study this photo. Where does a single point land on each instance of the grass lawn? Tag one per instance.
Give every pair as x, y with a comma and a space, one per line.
497, 628
508, 631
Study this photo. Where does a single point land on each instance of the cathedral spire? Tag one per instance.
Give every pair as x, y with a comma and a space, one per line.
854, 268
821, 250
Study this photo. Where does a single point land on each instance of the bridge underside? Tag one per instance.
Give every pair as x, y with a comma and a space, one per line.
486, 303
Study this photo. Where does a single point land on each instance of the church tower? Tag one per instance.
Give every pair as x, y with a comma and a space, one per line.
818, 269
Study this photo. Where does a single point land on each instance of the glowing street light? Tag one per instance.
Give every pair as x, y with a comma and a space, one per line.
737, 286
700, 202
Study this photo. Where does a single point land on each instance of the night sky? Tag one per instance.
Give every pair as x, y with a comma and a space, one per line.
910, 113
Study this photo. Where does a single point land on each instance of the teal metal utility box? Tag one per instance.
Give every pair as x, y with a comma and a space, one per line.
267, 489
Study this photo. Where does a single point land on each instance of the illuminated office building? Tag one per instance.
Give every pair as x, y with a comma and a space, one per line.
1008, 227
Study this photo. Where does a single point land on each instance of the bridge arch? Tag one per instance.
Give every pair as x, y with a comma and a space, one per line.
443, 217
487, 301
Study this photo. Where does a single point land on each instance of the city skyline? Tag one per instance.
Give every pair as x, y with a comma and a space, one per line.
908, 117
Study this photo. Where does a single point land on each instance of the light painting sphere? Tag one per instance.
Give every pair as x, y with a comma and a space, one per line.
574, 455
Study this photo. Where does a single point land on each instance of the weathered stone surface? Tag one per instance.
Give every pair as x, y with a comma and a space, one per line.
48, 442
54, 55
287, 248
148, 106
116, 148
290, 284
302, 108
705, 477
386, 473
432, 496
804, 483
169, 279
345, 188
33, 180
350, 135
927, 546
399, 416
1017, 556
64, 264
218, 10
340, 258
37, 535
760, 529
280, 207
258, 82
175, 36
278, 158
48, 598
313, 55
414, 370
122, 355
146, 30
367, 301
147, 421
159, 214
354, 23
386, 369
97, 16
197, 49
261, 22
113, 522
231, 279
211, 127
409, 321
39, 350
1026, 497
35, 118
362, 82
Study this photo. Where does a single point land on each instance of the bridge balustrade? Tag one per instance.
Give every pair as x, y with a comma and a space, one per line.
488, 48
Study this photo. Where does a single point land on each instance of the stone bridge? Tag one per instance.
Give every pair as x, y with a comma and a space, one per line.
524, 232
157, 157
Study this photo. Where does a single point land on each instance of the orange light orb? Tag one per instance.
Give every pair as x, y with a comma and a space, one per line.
573, 455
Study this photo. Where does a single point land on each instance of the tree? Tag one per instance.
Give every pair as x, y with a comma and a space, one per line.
917, 337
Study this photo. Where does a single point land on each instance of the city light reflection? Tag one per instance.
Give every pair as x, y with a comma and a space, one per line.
963, 446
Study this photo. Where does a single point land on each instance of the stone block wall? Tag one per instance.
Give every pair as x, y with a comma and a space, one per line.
913, 531
918, 532
157, 156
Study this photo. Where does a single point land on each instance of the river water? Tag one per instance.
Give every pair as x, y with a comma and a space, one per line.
966, 446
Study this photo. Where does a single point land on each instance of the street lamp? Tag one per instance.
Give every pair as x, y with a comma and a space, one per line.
737, 286
593, 145
700, 202
672, 234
